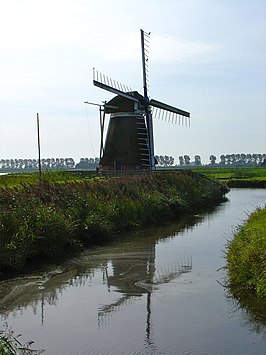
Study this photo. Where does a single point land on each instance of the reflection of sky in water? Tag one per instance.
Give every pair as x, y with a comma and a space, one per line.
154, 292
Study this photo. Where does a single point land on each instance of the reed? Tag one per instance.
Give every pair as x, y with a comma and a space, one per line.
48, 219
246, 255
10, 344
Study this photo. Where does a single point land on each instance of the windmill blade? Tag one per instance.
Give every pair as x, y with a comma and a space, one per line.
115, 91
145, 37
106, 83
169, 108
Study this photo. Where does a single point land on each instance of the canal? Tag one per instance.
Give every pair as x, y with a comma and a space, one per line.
156, 291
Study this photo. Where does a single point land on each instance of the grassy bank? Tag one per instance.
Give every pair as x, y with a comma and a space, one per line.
47, 219
60, 176
246, 255
236, 176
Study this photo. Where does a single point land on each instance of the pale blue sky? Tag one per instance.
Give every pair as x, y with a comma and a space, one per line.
206, 57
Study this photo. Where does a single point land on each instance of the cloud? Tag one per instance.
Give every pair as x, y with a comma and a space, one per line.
171, 49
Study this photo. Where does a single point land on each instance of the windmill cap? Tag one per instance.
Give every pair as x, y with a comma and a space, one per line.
123, 104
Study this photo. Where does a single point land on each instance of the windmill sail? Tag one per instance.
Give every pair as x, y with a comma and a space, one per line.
129, 142
148, 113
168, 108
115, 91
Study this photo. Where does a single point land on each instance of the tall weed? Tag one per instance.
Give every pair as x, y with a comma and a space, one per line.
47, 218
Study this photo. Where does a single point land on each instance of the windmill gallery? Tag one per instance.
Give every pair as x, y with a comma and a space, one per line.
129, 142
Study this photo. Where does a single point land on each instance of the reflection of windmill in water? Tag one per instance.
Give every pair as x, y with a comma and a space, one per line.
129, 143
136, 277
146, 280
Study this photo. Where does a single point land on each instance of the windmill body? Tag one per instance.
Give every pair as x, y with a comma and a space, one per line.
126, 144
129, 140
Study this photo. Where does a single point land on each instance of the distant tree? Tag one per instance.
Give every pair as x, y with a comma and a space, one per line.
2, 163
164, 160
69, 163
52, 163
254, 159
233, 159
212, 159
86, 163
171, 160
249, 159
243, 158
181, 160
197, 159
7, 163
159, 159
12, 163
187, 159
222, 159
35, 164
48, 163
260, 159
62, 163
57, 162
228, 159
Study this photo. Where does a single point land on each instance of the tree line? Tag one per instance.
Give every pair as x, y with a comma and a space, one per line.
162, 161
239, 159
33, 164
226, 160
49, 163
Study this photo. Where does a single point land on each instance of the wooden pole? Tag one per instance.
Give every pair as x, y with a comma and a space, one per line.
39, 146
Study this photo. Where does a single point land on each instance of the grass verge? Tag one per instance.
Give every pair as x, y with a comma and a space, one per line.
246, 255
49, 219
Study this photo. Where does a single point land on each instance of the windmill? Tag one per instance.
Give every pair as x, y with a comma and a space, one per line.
129, 143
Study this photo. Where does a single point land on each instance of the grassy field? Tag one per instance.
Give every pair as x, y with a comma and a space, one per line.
232, 176
60, 176
246, 255
236, 176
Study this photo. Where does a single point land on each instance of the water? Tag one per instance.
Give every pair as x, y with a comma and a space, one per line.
159, 291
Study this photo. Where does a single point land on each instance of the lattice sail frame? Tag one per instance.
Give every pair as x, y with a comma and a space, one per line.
144, 104
160, 110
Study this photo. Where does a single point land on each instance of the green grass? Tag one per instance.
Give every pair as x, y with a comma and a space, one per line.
246, 255
60, 176
50, 218
229, 175
237, 176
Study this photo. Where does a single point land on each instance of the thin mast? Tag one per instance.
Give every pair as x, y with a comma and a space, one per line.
39, 146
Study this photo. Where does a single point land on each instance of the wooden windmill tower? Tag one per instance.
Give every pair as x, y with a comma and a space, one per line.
129, 143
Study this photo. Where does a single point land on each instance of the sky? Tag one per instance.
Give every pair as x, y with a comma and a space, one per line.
207, 57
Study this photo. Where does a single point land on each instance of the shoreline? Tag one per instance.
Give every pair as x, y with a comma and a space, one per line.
246, 256
49, 220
